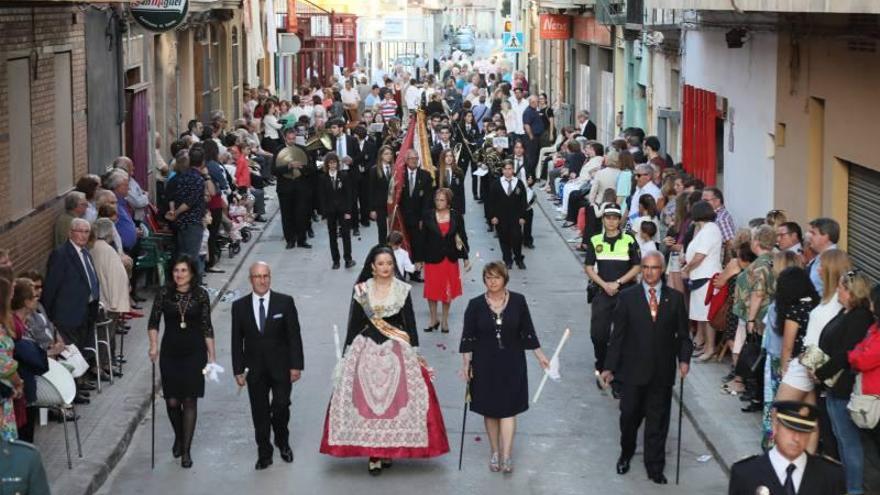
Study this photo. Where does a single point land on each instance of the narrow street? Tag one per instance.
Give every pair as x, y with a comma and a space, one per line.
565, 443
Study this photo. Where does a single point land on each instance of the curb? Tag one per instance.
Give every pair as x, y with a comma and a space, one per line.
687, 411
106, 467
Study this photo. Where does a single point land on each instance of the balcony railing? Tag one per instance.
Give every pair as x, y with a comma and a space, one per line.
806, 6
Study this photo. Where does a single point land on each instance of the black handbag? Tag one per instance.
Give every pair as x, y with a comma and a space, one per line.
751, 357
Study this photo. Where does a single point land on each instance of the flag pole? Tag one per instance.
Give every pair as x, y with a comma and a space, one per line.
562, 341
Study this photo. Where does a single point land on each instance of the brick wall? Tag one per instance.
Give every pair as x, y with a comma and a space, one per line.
48, 29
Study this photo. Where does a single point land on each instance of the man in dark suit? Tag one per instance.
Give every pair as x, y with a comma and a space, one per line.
445, 143
507, 203
347, 149
71, 291
650, 335
380, 180
335, 192
787, 469
267, 356
416, 198
366, 158
294, 190
586, 127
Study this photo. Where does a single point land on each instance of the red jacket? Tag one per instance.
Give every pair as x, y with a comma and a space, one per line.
866, 359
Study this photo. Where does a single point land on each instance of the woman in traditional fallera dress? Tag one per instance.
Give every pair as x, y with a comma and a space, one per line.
383, 404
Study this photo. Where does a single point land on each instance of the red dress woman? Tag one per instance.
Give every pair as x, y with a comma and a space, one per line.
445, 242
383, 405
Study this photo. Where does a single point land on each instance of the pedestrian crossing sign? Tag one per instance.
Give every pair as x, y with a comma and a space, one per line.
512, 42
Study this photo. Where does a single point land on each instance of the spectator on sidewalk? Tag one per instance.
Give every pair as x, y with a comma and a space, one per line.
702, 261
839, 337
39, 327
644, 176
118, 181
137, 199
723, 217
75, 206
187, 207
89, 184
789, 237
112, 276
10, 382
824, 234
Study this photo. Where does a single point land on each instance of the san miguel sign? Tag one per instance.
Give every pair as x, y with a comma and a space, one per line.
555, 27
159, 15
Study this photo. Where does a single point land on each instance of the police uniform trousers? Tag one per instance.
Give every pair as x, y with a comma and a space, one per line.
651, 403
510, 236
336, 222
602, 315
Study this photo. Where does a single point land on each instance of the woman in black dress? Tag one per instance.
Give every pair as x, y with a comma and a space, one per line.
187, 346
497, 331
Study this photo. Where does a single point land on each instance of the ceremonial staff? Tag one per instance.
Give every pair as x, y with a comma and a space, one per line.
153, 425
680, 410
467, 401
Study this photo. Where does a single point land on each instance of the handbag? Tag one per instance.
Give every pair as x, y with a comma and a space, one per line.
719, 305
813, 358
751, 357
863, 409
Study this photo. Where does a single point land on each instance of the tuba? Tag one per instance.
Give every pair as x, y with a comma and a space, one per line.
292, 154
319, 141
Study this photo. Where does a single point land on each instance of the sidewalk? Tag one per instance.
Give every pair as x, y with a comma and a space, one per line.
107, 424
729, 434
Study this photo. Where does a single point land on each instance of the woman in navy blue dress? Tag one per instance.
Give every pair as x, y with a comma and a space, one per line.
497, 331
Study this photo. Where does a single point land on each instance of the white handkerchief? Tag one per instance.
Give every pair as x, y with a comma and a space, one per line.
212, 372
553, 371
276, 316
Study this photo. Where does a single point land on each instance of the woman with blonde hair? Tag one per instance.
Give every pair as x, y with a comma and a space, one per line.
775, 218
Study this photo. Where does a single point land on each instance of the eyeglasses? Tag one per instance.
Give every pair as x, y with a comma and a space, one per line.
782, 234
81, 231
637, 175
652, 267
850, 275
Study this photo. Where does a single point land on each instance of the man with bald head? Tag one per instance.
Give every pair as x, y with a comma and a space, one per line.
416, 198
267, 357
650, 336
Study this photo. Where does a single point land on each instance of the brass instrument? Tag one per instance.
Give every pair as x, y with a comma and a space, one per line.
292, 154
319, 141
456, 150
393, 137
492, 160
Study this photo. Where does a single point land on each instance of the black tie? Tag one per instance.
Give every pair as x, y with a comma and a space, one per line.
262, 316
789, 481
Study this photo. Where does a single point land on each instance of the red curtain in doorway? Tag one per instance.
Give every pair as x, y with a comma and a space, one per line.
139, 138
698, 144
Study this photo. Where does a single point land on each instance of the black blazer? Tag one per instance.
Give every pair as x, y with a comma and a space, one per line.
439, 247
840, 336
338, 199
366, 157
379, 183
642, 351
437, 149
278, 348
589, 131
821, 477
457, 187
66, 289
351, 146
507, 209
415, 205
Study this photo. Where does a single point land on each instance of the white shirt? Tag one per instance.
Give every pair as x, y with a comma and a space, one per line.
298, 111
649, 188
518, 108
342, 146
404, 264
513, 182
255, 302
271, 126
780, 464
707, 242
412, 97
350, 96
819, 317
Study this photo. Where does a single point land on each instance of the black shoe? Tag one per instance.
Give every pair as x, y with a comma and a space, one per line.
658, 478
350, 263
529, 246
335, 265
84, 394
214, 270
176, 449
416, 277
365, 223
622, 465
375, 467
356, 233
432, 327
305, 245
260, 219
386, 463
186, 461
136, 298
567, 224
509, 266
290, 245
79, 399
521, 265
86, 386
753, 407
56, 416
287, 454
311, 233
263, 464
489, 229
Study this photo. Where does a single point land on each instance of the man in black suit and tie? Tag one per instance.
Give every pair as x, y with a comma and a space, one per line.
267, 356
787, 469
586, 127
507, 203
347, 149
445, 143
336, 195
380, 179
650, 335
416, 198
366, 158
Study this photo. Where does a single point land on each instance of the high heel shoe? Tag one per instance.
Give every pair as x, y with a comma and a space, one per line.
176, 450
186, 461
494, 465
444, 329
375, 466
704, 357
432, 327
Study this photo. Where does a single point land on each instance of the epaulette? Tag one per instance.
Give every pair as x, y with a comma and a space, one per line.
747, 458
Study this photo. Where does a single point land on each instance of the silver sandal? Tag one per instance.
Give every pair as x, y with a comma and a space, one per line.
507, 466
494, 466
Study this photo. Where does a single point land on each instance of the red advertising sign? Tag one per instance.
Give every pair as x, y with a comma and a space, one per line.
292, 24
555, 27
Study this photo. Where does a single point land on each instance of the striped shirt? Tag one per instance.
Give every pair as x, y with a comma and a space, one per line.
388, 108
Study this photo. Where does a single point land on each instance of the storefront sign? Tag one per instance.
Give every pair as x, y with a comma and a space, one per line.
159, 15
587, 30
555, 27
394, 28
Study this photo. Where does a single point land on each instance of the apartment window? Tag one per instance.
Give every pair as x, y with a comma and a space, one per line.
63, 123
21, 173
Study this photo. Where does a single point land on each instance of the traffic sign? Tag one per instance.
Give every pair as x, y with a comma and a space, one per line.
512, 42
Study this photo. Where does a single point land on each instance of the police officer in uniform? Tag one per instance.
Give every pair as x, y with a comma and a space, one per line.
21, 470
787, 469
612, 263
